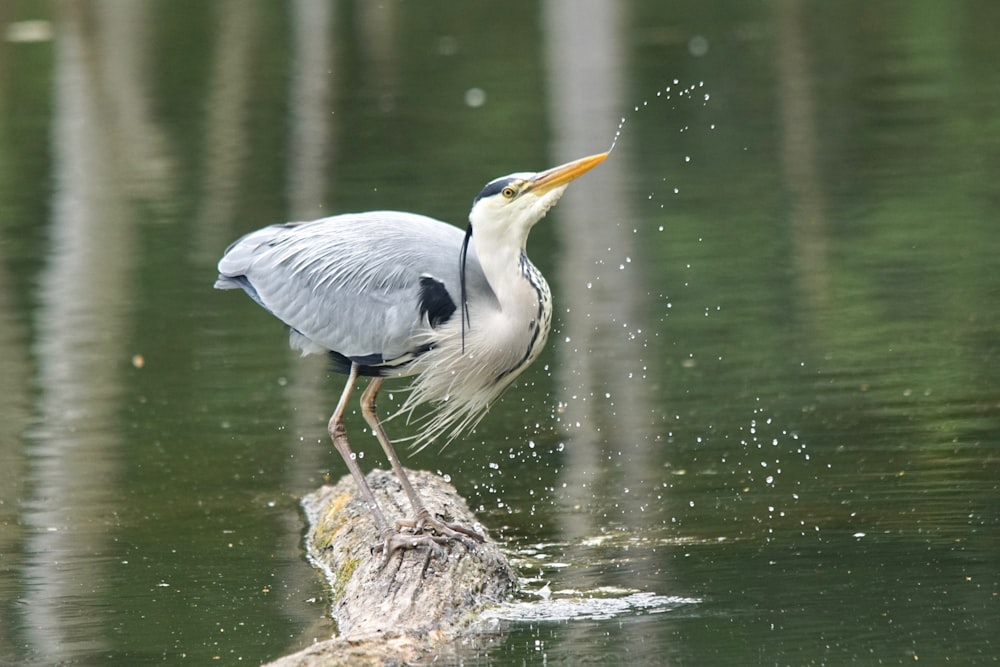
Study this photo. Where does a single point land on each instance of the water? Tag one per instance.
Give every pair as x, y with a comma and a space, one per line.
667, 94
764, 431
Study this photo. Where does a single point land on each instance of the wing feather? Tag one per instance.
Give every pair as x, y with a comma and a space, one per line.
352, 283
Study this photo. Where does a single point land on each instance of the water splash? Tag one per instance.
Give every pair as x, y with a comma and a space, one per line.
618, 133
596, 605
669, 92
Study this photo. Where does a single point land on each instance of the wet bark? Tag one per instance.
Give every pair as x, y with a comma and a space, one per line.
419, 603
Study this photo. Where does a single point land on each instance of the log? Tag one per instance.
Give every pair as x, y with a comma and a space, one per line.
412, 607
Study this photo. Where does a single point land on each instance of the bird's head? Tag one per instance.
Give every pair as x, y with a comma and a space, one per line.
509, 206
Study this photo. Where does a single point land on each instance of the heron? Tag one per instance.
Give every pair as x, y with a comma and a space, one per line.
390, 294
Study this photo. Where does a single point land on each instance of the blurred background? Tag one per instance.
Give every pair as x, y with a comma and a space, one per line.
767, 422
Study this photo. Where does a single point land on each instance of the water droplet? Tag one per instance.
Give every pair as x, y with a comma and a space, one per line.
475, 98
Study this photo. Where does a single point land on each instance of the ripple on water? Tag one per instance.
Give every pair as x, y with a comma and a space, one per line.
599, 604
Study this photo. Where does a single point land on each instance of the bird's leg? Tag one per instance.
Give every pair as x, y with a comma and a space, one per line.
339, 436
422, 518
391, 538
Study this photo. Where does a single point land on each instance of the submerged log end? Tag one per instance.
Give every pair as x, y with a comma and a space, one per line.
411, 606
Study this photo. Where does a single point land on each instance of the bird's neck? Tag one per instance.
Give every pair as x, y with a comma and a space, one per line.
523, 296
502, 265
521, 324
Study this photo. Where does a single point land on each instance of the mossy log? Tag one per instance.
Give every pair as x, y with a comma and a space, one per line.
411, 607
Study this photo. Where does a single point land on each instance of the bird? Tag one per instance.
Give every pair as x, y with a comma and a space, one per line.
389, 294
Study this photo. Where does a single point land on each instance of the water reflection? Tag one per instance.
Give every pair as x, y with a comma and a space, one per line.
800, 162
602, 408
81, 322
603, 398
770, 393
228, 142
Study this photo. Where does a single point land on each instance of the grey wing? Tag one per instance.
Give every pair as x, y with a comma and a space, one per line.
360, 285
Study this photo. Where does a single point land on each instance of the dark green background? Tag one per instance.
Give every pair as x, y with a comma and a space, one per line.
771, 397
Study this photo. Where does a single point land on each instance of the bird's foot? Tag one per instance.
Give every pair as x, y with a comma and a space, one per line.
394, 541
426, 531
450, 531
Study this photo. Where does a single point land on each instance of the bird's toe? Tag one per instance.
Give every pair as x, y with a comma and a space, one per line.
425, 523
396, 541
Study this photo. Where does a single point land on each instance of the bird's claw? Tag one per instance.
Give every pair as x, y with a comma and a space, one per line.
428, 532
450, 531
396, 541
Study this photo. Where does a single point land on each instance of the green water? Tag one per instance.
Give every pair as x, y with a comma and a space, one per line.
770, 399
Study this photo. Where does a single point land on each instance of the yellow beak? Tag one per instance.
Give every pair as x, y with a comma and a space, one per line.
552, 178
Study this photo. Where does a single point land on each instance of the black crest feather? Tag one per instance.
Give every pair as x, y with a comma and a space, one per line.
461, 281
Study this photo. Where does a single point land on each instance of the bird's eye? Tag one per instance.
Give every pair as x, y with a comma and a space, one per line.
508, 193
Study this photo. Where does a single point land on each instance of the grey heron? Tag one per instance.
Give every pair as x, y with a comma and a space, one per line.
388, 294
